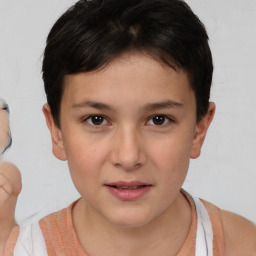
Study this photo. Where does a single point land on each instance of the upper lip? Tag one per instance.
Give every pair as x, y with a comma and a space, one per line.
127, 184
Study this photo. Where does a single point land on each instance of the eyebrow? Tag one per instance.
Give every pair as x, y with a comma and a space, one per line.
148, 107
162, 105
92, 104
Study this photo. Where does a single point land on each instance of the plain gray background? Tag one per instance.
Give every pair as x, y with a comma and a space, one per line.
225, 174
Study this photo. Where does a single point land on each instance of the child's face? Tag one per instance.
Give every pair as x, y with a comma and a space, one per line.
133, 123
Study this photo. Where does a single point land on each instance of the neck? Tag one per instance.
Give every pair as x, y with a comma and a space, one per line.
164, 235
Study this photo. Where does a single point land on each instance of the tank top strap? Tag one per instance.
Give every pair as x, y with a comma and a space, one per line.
204, 234
217, 228
209, 235
59, 234
11, 242
26, 240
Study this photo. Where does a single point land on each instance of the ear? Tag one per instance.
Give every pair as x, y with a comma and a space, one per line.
56, 135
201, 130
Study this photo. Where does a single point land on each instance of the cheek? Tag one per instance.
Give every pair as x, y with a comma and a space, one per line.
80, 149
172, 156
85, 160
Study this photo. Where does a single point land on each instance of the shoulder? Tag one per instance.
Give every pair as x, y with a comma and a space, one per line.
239, 235
59, 218
35, 234
232, 232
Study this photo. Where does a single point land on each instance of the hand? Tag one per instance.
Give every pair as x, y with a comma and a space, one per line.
10, 181
5, 134
10, 187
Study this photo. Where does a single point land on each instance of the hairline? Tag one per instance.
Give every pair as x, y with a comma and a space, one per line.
129, 52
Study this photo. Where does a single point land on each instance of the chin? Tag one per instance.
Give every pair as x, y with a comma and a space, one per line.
132, 220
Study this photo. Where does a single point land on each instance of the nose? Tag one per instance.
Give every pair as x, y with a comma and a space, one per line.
128, 150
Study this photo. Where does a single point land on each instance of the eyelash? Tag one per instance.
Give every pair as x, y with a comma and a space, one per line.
166, 119
92, 116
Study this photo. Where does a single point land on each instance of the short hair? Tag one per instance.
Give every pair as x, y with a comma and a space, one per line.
92, 33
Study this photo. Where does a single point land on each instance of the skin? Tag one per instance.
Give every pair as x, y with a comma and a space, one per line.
129, 146
10, 185
240, 235
4, 130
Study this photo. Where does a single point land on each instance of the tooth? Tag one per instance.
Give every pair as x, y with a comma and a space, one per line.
134, 187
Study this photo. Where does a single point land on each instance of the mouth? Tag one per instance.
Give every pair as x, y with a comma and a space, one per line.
128, 191
128, 185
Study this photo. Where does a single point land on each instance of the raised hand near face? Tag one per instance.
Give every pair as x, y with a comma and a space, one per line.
5, 135
10, 180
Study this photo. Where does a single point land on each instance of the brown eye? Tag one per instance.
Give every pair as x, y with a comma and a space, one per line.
96, 120
159, 120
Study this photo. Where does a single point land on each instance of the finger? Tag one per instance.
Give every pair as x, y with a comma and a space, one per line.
11, 174
5, 134
5, 185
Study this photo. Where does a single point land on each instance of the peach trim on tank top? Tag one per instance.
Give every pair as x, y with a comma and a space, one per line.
11, 242
61, 239
217, 226
59, 234
188, 248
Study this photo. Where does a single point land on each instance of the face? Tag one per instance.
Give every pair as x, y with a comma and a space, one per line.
128, 132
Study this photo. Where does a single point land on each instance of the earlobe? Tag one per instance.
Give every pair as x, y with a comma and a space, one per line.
56, 135
201, 130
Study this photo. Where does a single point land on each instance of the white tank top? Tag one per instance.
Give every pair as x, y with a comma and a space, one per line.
31, 241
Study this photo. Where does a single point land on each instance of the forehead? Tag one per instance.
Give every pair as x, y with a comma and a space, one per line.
132, 79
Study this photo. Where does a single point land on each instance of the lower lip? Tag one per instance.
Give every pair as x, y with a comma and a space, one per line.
128, 194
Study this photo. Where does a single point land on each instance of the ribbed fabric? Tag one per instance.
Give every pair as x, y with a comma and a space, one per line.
218, 234
61, 239
11, 242
189, 246
59, 234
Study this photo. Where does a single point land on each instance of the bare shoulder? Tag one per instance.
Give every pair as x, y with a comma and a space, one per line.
240, 235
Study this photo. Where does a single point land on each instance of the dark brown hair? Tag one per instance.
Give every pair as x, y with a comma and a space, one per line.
92, 33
